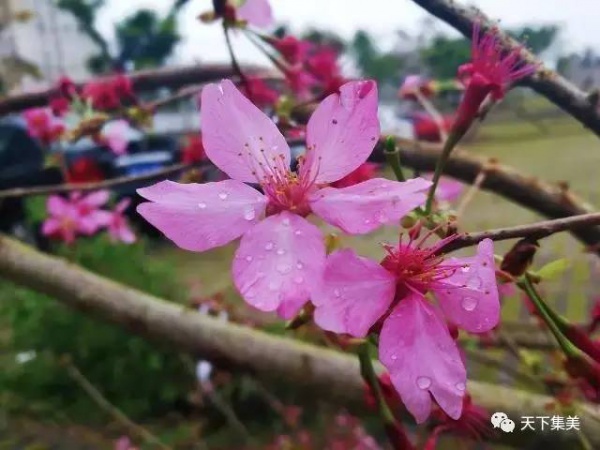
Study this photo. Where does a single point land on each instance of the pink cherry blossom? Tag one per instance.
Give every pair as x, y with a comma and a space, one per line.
293, 50
91, 217
255, 12
117, 135
74, 216
490, 72
280, 256
356, 293
43, 125
118, 228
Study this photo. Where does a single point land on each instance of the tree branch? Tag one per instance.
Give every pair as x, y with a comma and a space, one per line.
535, 231
545, 82
554, 202
94, 186
142, 81
320, 372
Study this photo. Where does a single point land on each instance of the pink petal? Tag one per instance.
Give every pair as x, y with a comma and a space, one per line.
117, 136
92, 222
367, 206
449, 189
57, 205
469, 297
95, 199
256, 12
277, 262
198, 217
422, 358
238, 137
51, 226
342, 132
353, 294
125, 234
122, 205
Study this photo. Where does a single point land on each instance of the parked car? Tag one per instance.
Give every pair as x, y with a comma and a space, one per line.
22, 164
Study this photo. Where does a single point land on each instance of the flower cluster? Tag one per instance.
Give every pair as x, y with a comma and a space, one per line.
79, 215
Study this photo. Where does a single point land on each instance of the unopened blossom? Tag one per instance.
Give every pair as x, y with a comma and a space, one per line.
293, 50
118, 226
74, 216
259, 92
280, 253
84, 170
193, 150
43, 125
491, 72
110, 93
415, 344
473, 424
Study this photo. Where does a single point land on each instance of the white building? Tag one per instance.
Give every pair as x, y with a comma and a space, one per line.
50, 40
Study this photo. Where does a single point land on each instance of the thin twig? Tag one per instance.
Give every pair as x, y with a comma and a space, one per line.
94, 186
227, 411
536, 231
473, 190
109, 408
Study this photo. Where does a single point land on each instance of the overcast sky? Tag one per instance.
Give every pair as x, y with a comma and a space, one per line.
579, 18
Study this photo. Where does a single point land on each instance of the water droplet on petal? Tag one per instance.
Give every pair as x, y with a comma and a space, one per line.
249, 214
394, 357
248, 258
423, 382
469, 303
273, 286
460, 386
298, 233
383, 218
223, 195
336, 292
465, 269
286, 222
269, 246
300, 266
281, 251
201, 205
284, 268
367, 221
298, 280
474, 282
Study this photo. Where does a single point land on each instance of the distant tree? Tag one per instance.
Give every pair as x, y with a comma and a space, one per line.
326, 38
537, 38
144, 39
373, 63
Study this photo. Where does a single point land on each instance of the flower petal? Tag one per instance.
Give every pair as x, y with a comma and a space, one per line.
366, 206
342, 132
95, 199
277, 262
256, 12
422, 358
469, 297
198, 217
353, 294
238, 137
57, 205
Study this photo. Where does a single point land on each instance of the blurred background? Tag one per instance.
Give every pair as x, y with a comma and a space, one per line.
57, 364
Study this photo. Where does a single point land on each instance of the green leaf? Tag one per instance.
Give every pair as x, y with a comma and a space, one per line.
553, 269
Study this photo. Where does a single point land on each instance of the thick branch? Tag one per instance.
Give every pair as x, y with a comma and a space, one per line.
317, 371
535, 231
142, 81
546, 82
551, 201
